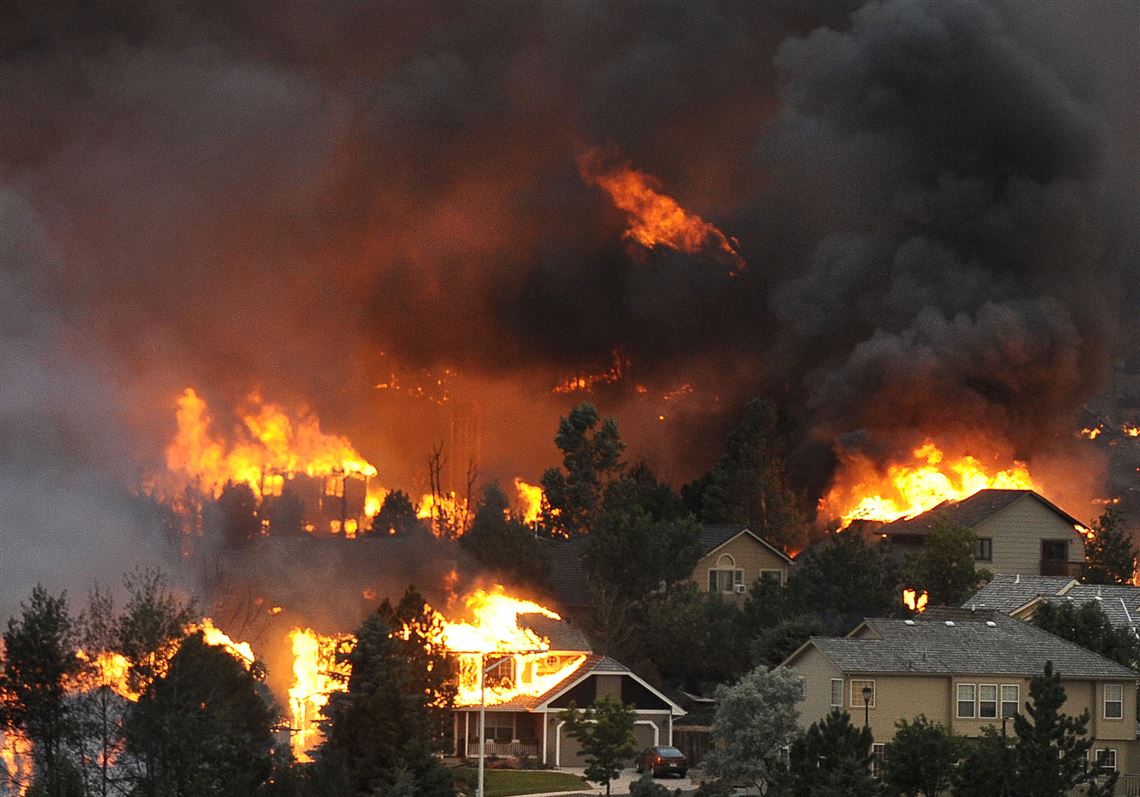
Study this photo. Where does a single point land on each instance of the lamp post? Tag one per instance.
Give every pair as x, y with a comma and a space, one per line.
483, 668
867, 693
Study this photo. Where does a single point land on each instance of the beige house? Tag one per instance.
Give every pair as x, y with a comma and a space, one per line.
965, 670
1019, 531
531, 725
733, 558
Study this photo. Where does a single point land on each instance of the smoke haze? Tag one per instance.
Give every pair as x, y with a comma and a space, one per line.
935, 201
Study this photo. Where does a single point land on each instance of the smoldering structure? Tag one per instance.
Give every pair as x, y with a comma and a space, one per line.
380, 212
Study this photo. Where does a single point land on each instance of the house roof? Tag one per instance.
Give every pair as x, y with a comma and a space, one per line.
1121, 602
974, 643
562, 635
712, 537
1007, 593
970, 512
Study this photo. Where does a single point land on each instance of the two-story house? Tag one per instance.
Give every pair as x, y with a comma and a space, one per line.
965, 670
1019, 531
733, 558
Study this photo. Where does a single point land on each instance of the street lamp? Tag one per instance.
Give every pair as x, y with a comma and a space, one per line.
483, 668
867, 693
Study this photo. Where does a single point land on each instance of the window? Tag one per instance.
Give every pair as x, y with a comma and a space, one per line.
987, 701
803, 689
725, 580
985, 550
857, 688
837, 691
1054, 550
1113, 701
499, 727
878, 750
1106, 759
1010, 699
967, 694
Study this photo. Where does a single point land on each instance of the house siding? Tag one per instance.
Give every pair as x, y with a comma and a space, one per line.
748, 555
1017, 532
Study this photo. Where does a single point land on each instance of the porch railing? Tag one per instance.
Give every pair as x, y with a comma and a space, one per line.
504, 749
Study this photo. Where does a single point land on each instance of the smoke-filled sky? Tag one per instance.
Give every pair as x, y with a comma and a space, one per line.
936, 203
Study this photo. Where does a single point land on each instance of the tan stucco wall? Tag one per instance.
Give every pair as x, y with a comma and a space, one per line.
748, 555
1017, 532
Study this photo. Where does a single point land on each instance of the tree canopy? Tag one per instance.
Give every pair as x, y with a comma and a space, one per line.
605, 733
1110, 556
944, 567
591, 455
1089, 627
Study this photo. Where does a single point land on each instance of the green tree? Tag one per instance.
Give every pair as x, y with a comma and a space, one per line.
845, 579
747, 484
501, 543
605, 734
39, 662
664, 551
755, 719
591, 456
944, 566
1089, 627
1051, 752
639, 487
921, 758
987, 767
832, 758
400, 687
101, 710
772, 645
202, 727
151, 626
1110, 556
397, 517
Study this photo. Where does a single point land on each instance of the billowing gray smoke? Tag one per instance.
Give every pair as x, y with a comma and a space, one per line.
933, 200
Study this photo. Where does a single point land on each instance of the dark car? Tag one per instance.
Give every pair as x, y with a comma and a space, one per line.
659, 761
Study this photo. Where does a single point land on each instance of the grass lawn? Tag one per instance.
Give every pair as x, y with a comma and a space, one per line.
506, 782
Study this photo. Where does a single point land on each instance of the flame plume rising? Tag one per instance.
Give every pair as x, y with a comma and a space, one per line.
317, 673
530, 501
863, 492
271, 445
16, 755
654, 218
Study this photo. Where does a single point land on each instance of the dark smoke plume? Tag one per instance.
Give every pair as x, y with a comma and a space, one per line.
936, 202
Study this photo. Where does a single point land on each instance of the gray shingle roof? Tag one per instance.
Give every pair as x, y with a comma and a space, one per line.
561, 634
1120, 603
1008, 592
969, 512
985, 644
713, 536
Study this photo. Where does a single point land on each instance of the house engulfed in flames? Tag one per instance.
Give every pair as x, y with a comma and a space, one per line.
526, 691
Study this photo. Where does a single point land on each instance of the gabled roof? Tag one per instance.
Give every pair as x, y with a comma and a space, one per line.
977, 643
561, 635
970, 512
598, 664
1007, 593
1013, 594
712, 537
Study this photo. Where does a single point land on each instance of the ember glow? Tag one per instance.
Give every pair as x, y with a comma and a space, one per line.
530, 501
654, 218
1131, 430
914, 601
863, 492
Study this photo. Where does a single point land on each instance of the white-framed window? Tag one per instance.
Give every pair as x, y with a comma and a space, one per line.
1010, 699
878, 751
1106, 759
1113, 701
967, 697
987, 701
726, 575
857, 688
837, 692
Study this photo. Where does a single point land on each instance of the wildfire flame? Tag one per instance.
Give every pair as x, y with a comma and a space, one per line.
317, 673
1093, 433
654, 218
16, 755
530, 501
914, 601
1131, 430
908, 489
270, 446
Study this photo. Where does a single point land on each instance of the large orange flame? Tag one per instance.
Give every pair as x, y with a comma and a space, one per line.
16, 755
863, 492
317, 673
654, 218
270, 446
914, 601
530, 501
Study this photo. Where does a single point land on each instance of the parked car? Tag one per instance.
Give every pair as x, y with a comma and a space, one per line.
659, 761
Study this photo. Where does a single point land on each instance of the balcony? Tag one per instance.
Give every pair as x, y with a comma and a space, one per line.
1059, 567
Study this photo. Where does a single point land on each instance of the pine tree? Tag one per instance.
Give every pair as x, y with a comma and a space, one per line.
1110, 556
832, 758
605, 733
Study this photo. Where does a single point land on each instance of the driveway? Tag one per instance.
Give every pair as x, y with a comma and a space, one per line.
628, 776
